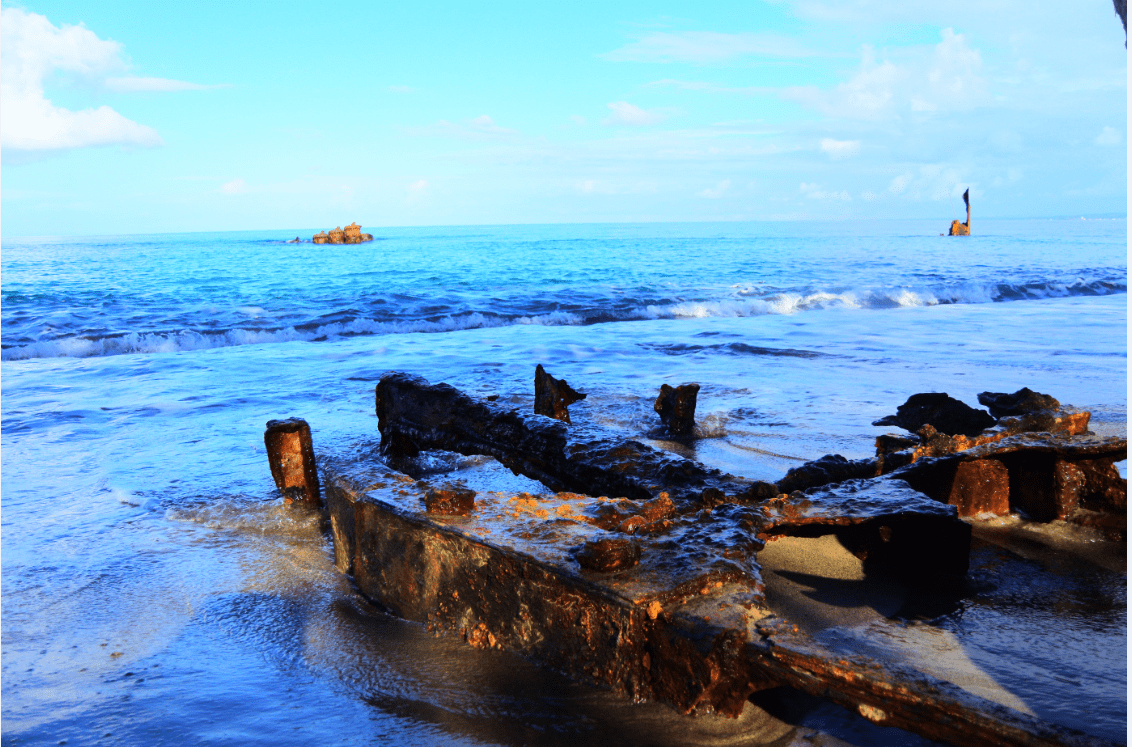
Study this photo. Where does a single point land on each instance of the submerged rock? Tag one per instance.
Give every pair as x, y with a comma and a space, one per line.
945, 414
553, 396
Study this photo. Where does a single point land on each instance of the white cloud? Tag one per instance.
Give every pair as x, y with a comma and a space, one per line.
618, 187
933, 181
838, 149
628, 114
416, 190
578, 119
1109, 136
708, 46
696, 85
134, 84
32, 49
235, 187
948, 78
482, 127
714, 193
815, 192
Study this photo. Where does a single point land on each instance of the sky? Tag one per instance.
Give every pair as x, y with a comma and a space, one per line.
141, 117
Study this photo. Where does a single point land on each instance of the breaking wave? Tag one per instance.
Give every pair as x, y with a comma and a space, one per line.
741, 303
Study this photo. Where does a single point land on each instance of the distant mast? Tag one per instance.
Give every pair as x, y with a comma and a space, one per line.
962, 229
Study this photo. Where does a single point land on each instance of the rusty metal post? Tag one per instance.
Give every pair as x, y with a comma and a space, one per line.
291, 456
677, 408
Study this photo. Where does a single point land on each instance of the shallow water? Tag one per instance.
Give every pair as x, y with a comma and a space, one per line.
154, 588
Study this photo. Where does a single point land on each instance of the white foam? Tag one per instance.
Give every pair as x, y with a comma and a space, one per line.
738, 306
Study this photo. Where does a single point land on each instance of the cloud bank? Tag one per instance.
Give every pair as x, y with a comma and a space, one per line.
708, 46
31, 50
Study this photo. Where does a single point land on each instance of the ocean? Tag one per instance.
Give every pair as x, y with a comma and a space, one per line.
155, 590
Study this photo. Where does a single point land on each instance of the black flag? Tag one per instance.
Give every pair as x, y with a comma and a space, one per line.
965, 200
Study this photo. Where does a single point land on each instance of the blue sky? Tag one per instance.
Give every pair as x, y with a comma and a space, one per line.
128, 117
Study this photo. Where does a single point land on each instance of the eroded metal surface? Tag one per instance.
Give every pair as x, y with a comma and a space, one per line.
641, 572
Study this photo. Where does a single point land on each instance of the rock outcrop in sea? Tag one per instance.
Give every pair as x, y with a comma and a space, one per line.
351, 234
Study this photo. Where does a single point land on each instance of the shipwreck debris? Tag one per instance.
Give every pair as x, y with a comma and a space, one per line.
962, 229
1035, 458
676, 407
290, 453
608, 555
641, 574
450, 500
827, 469
553, 396
1045, 476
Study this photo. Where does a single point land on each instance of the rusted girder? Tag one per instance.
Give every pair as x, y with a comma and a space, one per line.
1046, 476
686, 625
414, 416
645, 578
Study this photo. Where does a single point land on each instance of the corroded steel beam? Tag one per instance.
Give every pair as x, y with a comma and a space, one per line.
687, 625
641, 573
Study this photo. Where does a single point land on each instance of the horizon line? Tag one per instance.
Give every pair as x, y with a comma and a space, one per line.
1086, 216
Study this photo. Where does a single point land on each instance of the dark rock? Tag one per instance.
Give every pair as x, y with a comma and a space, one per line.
608, 555
553, 396
677, 408
1023, 401
945, 414
450, 500
829, 468
760, 491
290, 455
889, 443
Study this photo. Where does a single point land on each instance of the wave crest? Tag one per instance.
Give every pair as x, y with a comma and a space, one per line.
745, 305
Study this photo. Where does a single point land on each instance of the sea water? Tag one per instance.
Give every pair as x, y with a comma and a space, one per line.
155, 590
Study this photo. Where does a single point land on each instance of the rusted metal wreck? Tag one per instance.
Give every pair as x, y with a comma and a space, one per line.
640, 572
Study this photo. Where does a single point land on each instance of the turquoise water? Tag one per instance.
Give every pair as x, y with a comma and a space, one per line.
153, 588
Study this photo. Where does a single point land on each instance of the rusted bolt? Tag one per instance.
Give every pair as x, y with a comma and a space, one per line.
604, 556
452, 501
290, 454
